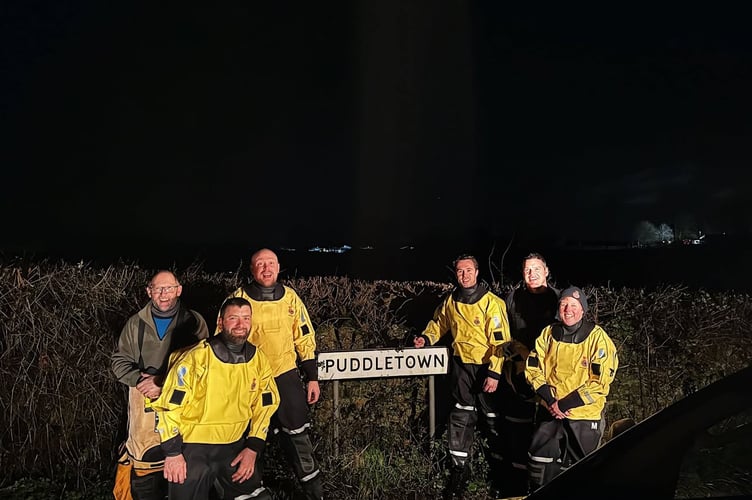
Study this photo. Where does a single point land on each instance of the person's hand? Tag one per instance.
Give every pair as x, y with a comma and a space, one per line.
419, 342
246, 462
490, 384
148, 386
314, 391
175, 469
556, 412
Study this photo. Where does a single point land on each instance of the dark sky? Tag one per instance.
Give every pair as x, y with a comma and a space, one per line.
384, 123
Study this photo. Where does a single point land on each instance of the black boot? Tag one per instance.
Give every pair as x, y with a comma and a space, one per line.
457, 483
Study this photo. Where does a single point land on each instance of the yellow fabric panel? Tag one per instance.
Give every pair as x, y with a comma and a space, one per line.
219, 399
473, 327
277, 329
568, 367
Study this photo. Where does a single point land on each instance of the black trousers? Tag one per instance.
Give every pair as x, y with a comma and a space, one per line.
471, 407
292, 413
558, 444
292, 422
517, 406
207, 463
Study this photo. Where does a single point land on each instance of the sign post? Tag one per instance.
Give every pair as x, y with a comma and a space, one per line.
384, 363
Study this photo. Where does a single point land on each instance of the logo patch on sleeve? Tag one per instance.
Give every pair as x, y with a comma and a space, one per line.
266, 399
177, 397
182, 371
601, 353
496, 321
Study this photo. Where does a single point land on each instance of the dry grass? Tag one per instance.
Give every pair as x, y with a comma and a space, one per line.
63, 413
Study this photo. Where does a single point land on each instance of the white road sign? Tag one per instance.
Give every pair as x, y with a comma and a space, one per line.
374, 363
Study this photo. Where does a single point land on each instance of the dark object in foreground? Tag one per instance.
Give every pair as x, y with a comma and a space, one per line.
645, 461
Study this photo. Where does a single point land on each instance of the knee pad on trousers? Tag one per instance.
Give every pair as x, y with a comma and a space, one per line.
541, 470
461, 428
152, 486
299, 449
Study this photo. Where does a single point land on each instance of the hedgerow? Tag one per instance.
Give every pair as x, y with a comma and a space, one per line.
63, 413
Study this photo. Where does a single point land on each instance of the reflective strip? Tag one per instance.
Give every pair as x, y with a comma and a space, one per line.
497, 456
519, 466
491, 415
255, 493
588, 397
458, 453
309, 476
545, 460
466, 408
299, 430
518, 420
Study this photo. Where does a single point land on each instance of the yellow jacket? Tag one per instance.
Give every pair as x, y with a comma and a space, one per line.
479, 327
211, 396
282, 329
575, 369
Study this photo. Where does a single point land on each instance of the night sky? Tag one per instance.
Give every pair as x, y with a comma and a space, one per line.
144, 128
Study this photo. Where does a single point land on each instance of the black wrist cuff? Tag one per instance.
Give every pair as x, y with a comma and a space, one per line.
173, 446
546, 394
310, 370
255, 444
571, 400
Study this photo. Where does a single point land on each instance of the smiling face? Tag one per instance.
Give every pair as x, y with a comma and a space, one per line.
467, 273
570, 311
235, 323
164, 290
535, 273
265, 267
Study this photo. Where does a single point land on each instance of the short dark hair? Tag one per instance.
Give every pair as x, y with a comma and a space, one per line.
534, 255
233, 301
465, 256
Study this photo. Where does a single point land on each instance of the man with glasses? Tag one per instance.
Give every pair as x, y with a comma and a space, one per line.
140, 361
477, 321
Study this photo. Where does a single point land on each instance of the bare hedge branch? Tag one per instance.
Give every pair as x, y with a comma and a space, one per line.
64, 413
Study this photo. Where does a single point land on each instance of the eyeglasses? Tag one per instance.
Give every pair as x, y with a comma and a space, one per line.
163, 289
